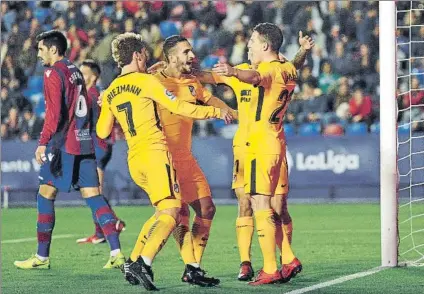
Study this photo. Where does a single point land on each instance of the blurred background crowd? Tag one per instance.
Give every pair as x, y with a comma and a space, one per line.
338, 88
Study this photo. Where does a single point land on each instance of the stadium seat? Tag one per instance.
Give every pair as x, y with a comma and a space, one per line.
333, 129
404, 128
310, 129
375, 128
35, 83
41, 14
289, 129
209, 61
355, 129
168, 28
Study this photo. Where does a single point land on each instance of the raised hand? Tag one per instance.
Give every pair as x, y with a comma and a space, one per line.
306, 42
223, 69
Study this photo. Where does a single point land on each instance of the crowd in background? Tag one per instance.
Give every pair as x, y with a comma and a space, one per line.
338, 87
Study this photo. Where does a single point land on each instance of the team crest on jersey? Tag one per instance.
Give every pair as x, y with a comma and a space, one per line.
170, 95
192, 90
176, 188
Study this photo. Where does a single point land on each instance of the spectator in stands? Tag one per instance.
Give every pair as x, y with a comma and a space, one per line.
327, 78
415, 97
314, 104
28, 57
360, 107
6, 103
31, 126
239, 51
293, 110
12, 124
342, 62
306, 77
12, 71
341, 96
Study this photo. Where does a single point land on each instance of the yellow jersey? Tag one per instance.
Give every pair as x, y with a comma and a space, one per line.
178, 128
244, 93
267, 109
134, 100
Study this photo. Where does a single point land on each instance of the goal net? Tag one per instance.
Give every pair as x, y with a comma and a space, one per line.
410, 130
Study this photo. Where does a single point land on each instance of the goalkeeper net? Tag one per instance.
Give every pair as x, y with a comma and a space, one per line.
410, 99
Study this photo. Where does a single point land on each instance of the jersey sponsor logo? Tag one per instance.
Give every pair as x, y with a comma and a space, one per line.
192, 90
169, 94
48, 72
82, 134
245, 95
338, 163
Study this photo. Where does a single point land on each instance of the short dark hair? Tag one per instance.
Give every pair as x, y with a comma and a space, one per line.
271, 34
124, 46
54, 38
170, 43
95, 68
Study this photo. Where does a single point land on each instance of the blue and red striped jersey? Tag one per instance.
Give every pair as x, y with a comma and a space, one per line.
68, 121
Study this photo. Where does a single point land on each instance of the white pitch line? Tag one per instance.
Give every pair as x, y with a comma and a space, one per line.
338, 281
34, 239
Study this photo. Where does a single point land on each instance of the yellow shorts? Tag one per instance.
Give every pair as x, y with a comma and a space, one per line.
262, 174
192, 181
238, 172
238, 167
154, 172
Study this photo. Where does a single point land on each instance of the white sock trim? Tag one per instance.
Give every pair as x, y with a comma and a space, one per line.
42, 258
147, 260
115, 252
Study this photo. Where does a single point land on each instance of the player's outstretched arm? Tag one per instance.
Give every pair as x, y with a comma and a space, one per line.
306, 44
245, 75
168, 100
216, 102
105, 123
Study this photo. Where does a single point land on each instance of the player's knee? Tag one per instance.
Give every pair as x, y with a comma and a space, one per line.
90, 192
260, 202
185, 210
277, 204
47, 191
245, 207
208, 211
171, 207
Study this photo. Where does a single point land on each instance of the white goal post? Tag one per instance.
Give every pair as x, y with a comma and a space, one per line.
388, 134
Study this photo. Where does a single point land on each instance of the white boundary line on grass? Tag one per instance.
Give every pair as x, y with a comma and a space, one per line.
34, 239
338, 280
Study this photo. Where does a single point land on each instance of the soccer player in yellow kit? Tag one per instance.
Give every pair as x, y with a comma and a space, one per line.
195, 191
265, 143
133, 99
244, 224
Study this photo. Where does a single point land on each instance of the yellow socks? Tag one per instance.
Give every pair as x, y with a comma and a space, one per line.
200, 234
265, 226
286, 252
244, 231
289, 230
184, 241
158, 234
142, 237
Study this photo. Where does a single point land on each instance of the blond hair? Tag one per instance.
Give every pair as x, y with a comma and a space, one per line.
124, 46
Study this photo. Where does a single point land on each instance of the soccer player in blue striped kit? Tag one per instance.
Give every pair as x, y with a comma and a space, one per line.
66, 152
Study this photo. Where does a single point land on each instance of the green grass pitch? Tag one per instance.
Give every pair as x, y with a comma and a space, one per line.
330, 240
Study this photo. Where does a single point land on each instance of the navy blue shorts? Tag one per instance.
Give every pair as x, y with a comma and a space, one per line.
103, 156
69, 172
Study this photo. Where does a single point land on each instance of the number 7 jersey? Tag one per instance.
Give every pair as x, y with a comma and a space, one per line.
133, 100
267, 109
